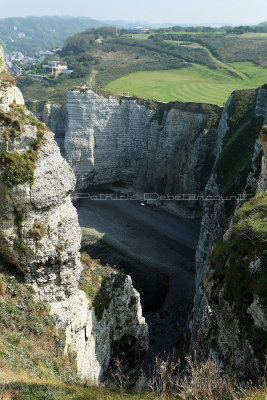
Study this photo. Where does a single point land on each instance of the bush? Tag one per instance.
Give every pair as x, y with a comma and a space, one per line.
204, 380
18, 168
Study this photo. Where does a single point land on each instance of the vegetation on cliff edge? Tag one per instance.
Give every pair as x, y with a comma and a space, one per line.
240, 265
233, 164
99, 283
19, 168
34, 366
30, 343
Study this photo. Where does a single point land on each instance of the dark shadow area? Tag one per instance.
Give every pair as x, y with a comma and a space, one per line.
141, 239
150, 279
9, 269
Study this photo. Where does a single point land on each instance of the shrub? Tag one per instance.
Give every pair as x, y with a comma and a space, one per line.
6, 79
164, 381
204, 380
18, 168
38, 230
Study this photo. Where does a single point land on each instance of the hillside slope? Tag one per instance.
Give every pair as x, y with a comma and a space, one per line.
41, 33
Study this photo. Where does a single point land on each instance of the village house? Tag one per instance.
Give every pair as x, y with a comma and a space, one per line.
56, 50
56, 68
14, 69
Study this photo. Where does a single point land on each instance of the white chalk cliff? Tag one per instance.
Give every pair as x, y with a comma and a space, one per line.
40, 235
160, 148
217, 328
180, 148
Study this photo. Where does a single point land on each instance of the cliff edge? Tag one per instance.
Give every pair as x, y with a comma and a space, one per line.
229, 321
40, 236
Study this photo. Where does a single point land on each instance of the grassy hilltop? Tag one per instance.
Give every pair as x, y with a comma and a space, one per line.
197, 83
169, 65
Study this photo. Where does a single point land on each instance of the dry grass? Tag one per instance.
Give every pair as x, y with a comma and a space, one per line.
205, 381
93, 275
199, 381
30, 343
165, 378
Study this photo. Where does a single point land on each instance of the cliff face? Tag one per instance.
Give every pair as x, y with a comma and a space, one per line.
40, 236
229, 320
56, 118
155, 147
8, 92
187, 148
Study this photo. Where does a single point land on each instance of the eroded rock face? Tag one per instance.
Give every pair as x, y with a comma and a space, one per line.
216, 329
156, 147
119, 333
40, 235
56, 118
262, 110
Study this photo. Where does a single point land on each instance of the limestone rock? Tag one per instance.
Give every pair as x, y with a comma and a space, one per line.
165, 149
215, 327
259, 314
40, 235
56, 118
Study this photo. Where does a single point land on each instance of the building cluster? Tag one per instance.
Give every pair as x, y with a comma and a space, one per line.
21, 34
18, 56
52, 67
37, 57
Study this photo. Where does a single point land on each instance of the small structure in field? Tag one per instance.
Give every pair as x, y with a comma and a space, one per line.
138, 29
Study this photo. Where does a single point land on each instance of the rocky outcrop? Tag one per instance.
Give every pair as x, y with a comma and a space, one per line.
8, 92
262, 110
40, 235
56, 118
219, 329
168, 149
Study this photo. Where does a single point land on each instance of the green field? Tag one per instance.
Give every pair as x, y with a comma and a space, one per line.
49, 91
139, 36
196, 83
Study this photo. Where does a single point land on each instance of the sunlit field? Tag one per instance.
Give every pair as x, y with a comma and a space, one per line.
196, 83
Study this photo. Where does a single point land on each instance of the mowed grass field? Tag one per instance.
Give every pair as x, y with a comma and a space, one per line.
196, 83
